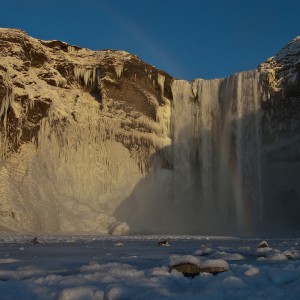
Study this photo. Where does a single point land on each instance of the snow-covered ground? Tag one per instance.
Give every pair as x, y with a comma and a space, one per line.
90, 267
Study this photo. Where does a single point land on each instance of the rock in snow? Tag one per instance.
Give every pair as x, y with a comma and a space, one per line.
164, 243
102, 142
262, 249
191, 266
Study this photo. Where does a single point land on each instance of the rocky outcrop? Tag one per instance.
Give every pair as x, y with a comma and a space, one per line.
121, 84
281, 136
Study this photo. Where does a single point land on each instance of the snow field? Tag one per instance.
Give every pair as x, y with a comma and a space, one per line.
78, 267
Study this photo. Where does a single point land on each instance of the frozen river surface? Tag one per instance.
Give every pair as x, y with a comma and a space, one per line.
90, 267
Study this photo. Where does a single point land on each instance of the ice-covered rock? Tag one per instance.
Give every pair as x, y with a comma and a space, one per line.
183, 259
262, 249
214, 266
191, 266
291, 254
277, 256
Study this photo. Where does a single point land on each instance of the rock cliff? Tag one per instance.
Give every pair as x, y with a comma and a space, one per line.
281, 136
78, 128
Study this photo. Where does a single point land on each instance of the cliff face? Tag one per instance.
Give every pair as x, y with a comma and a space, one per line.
78, 128
101, 142
281, 136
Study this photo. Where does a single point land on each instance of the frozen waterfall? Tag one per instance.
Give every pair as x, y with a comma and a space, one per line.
217, 149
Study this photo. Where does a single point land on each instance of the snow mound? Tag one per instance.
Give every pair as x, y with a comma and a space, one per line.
215, 263
278, 257
227, 256
233, 282
185, 259
81, 293
203, 252
262, 249
252, 271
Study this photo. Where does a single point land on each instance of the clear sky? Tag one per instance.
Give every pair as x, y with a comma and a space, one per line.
186, 38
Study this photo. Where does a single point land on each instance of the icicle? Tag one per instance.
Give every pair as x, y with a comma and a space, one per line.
7, 99
161, 83
88, 76
7, 102
119, 69
163, 117
71, 49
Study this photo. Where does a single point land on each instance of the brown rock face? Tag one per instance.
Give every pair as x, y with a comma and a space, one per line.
191, 270
120, 82
281, 136
57, 101
187, 269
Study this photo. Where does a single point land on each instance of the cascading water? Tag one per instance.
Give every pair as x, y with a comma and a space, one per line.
217, 152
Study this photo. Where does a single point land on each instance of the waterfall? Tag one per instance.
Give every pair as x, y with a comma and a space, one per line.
217, 151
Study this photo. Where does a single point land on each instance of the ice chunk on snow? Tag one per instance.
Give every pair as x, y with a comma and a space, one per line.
233, 282
203, 252
161, 82
278, 256
92, 266
252, 271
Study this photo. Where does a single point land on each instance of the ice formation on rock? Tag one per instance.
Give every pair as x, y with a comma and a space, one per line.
119, 69
88, 76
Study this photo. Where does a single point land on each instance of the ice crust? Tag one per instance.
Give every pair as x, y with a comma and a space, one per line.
92, 267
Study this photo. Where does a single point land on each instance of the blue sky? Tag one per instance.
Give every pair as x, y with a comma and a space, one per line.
186, 38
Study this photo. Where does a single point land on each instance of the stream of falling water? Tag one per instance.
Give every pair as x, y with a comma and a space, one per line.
217, 149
